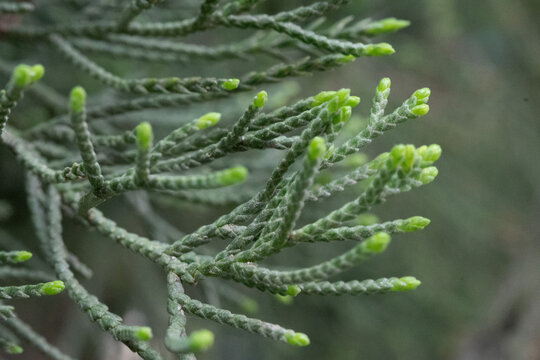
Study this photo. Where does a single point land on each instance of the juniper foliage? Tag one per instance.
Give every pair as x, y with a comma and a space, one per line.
76, 161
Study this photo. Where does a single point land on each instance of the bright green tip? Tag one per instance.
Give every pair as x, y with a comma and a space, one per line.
430, 153
77, 99
24, 75
144, 135
142, 333
230, 84
428, 175
367, 219
347, 58
53, 287
405, 283
23, 256
293, 290
346, 112
37, 72
260, 99
234, 175
323, 97
353, 101
409, 154
207, 120
316, 148
343, 115
384, 84
420, 110
376, 243
413, 224
394, 24
411, 281
422, 95
14, 349
386, 26
397, 153
201, 340
380, 49
297, 339
333, 105
343, 96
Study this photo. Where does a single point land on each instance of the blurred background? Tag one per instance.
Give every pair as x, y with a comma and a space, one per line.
479, 260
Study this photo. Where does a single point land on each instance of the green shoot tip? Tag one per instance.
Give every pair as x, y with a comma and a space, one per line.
38, 72
428, 175
346, 58
343, 115
323, 97
293, 290
230, 84
397, 153
260, 99
413, 224
343, 97
346, 113
384, 84
430, 153
409, 155
201, 340
53, 287
23, 256
404, 154
422, 95
420, 110
233, 175
405, 283
333, 105
297, 339
316, 148
381, 49
24, 75
77, 99
376, 243
352, 101
144, 135
142, 333
207, 120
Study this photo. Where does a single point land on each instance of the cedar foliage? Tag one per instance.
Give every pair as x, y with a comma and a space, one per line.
81, 156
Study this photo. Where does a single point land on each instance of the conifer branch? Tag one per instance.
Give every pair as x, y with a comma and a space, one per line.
75, 162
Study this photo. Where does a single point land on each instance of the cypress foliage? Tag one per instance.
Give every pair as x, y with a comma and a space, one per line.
78, 159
